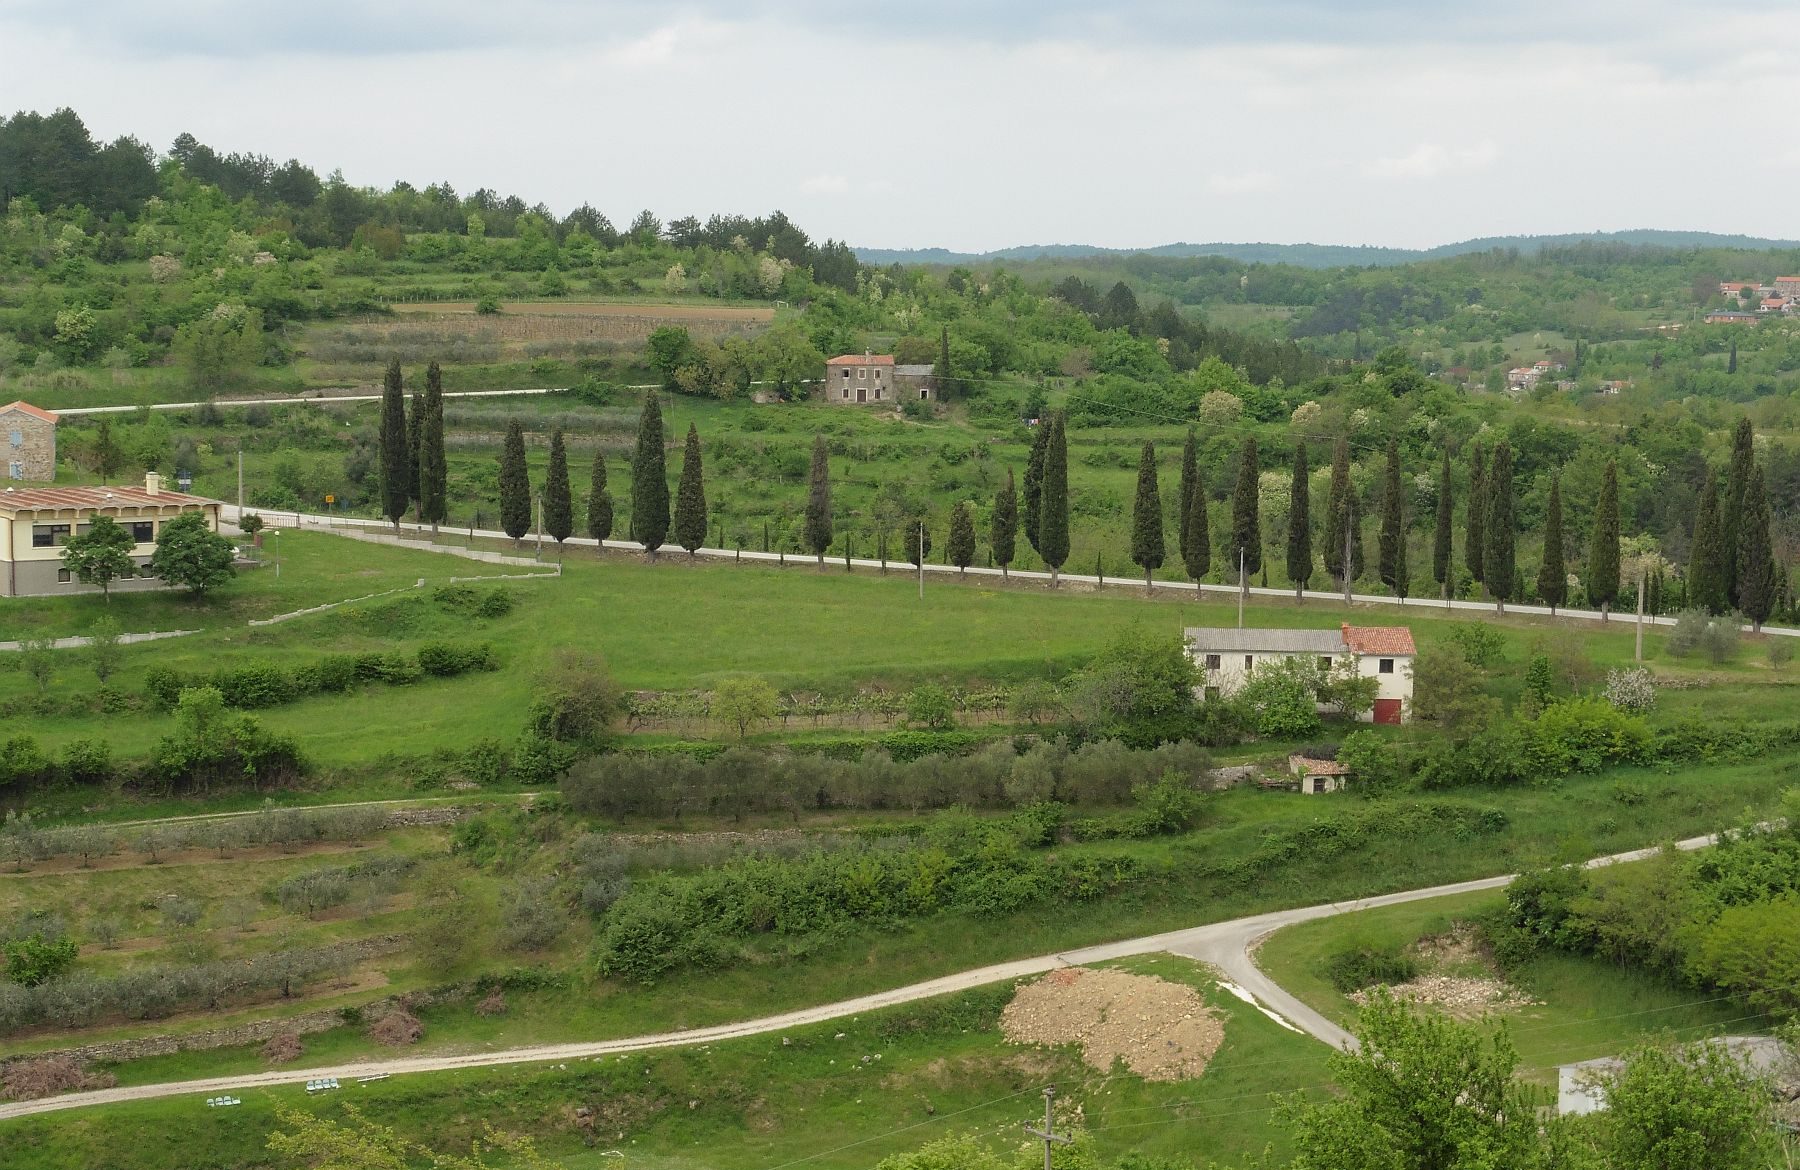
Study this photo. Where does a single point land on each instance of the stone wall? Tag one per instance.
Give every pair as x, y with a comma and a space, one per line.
36, 451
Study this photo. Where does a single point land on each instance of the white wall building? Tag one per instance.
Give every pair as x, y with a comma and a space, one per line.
1228, 657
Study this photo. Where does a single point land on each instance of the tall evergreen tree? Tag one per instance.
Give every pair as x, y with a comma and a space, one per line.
1053, 521
1246, 513
394, 492
415, 439
1553, 577
434, 469
1443, 560
1299, 544
1402, 569
1731, 362
1475, 516
962, 536
1731, 507
559, 501
1147, 547
599, 501
1758, 586
1190, 475
917, 535
515, 484
1500, 563
1706, 562
690, 496
650, 480
1196, 551
1392, 534
1034, 480
1003, 528
1340, 519
818, 529
943, 375
1603, 545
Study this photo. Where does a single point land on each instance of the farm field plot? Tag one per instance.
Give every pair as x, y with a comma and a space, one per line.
673, 311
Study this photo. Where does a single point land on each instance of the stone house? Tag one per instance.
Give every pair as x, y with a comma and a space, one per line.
1316, 775
29, 438
916, 381
1227, 658
859, 379
35, 523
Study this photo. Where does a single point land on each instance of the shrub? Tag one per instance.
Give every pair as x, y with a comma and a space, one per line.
1631, 689
575, 700
496, 602
1585, 735
1354, 968
36, 959
1282, 699
255, 685
1373, 761
530, 917
1780, 651
333, 674
394, 669
1479, 642
397, 1028
162, 687
22, 761
87, 761
929, 707
445, 659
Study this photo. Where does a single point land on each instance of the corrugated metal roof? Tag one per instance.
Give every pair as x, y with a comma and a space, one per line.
1231, 641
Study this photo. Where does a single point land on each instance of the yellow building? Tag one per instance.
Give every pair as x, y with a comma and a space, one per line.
35, 523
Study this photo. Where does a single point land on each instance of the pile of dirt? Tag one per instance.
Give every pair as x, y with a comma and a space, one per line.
1458, 996
1162, 1031
27, 1080
397, 1028
283, 1048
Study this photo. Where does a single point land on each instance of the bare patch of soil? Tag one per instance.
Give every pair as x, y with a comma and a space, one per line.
1458, 996
1162, 1031
397, 1029
283, 1048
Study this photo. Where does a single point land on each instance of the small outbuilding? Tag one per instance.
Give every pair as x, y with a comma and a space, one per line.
1317, 775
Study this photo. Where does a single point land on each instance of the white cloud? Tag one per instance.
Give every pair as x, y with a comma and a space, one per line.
824, 185
1429, 160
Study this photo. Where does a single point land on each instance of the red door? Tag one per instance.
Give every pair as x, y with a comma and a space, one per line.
1387, 711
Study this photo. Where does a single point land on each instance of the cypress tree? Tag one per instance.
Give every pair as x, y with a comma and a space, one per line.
433, 467
1146, 517
690, 496
962, 536
1402, 570
1392, 534
918, 538
1731, 508
515, 484
1340, 519
1603, 545
1190, 475
559, 504
1034, 481
1246, 516
1706, 562
1757, 585
649, 480
415, 438
1500, 561
1053, 520
1553, 577
394, 493
946, 386
1731, 362
1003, 529
599, 501
1475, 516
1443, 561
818, 531
1196, 552
1299, 545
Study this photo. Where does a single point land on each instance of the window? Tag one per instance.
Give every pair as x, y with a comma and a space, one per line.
1385, 666
1212, 662
846, 373
18, 438
15, 470
924, 394
845, 392
49, 535
142, 531
861, 373
62, 575
1249, 661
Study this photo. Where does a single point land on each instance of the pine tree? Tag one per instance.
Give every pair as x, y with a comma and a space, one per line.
415, 438
1053, 521
1500, 561
817, 530
1731, 507
1190, 475
1034, 481
1299, 545
1196, 553
515, 484
1757, 585
559, 503
1003, 529
946, 381
1706, 562
649, 480
1443, 560
1475, 516
1340, 519
433, 466
1147, 547
1603, 545
690, 496
1553, 577
1246, 516
962, 536
394, 493
599, 501
1392, 534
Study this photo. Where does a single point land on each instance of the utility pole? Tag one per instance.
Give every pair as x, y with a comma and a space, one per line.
240, 481
1349, 533
921, 548
1048, 1134
1243, 586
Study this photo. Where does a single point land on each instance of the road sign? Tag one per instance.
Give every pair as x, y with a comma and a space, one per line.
331, 499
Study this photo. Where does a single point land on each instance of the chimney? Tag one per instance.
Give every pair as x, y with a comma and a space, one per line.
152, 484
1344, 630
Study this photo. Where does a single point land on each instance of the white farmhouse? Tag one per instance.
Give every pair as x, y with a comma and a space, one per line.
1228, 657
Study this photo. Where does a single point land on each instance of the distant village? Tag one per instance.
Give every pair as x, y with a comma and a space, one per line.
1756, 301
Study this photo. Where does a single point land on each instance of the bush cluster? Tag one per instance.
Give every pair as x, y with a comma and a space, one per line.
262, 684
1354, 968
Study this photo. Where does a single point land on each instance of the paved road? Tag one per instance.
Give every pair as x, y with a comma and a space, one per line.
124, 640
1226, 945
273, 517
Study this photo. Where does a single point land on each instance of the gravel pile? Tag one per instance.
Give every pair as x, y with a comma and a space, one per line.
1459, 996
1162, 1031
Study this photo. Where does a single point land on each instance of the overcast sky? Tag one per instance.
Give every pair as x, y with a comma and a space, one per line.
976, 125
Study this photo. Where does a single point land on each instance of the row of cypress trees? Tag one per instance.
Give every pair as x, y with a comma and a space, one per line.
414, 471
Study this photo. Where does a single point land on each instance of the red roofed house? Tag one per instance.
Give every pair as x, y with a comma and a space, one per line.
1735, 288
860, 378
35, 522
1787, 286
1772, 305
1227, 657
29, 438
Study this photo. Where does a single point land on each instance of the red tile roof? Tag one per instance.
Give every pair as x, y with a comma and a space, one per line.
862, 359
1379, 640
28, 499
33, 411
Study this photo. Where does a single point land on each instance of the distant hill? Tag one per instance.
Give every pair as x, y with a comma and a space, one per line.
1325, 255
